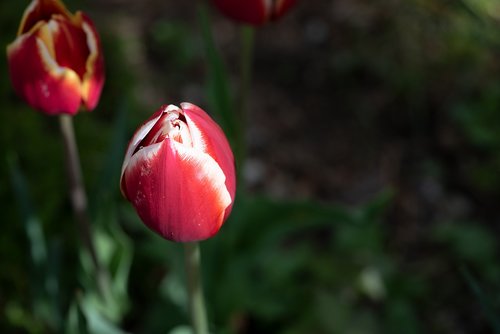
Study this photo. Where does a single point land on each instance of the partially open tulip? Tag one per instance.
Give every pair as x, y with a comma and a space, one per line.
56, 61
179, 174
254, 12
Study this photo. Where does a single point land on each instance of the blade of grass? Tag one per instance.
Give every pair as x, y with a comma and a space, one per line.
32, 225
484, 300
219, 93
108, 180
46, 283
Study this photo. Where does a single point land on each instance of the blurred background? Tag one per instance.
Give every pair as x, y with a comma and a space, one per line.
368, 198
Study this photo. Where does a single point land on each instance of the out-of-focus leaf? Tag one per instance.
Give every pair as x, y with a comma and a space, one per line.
261, 220
401, 318
181, 330
45, 290
372, 284
115, 253
114, 249
218, 83
218, 80
337, 315
483, 9
167, 35
268, 247
331, 312
174, 287
108, 181
470, 242
21, 318
76, 323
96, 322
373, 210
31, 222
491, 313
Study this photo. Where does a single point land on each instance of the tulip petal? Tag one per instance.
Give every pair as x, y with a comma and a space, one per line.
69, 44
207, 136
178, 191
41, 10
281, 7
248, 11
66, 45
255, 12
138, 136
94, 77
37, 77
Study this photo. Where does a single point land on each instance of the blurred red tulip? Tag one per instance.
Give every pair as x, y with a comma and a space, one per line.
56, 61
254, 12
179, 174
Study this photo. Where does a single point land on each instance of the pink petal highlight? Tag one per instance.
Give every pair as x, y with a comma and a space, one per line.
209, 137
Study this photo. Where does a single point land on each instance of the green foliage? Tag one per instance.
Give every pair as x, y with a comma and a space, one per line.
480, 120
172, 43
489, 308
277, 266
272, 275
469, 242
218, 88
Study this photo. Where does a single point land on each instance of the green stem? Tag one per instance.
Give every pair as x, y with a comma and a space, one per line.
195, 290
226, 111
246, 59
79, 199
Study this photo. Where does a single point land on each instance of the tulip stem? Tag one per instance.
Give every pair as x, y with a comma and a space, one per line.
195, 289
246, 59
79, 198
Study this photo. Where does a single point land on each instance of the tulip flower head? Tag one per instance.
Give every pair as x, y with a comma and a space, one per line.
56, 62
254, 12
179, 174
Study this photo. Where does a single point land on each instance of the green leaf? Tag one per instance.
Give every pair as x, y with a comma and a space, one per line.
181, 330
97, 323
469, 242
173, 287
114, 250
490, 312
45, 289
401, 318
76, 323
218, 83
31, 222
109, 179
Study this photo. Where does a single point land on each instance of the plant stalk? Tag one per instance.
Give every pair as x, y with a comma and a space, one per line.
195, 289
246, 61
79, 199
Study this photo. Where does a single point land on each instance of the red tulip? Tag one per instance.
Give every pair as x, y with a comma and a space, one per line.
179, 174
254, 12
56, 61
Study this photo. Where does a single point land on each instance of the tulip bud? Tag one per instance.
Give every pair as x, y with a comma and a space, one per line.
56, 62
179, 174
254, 12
